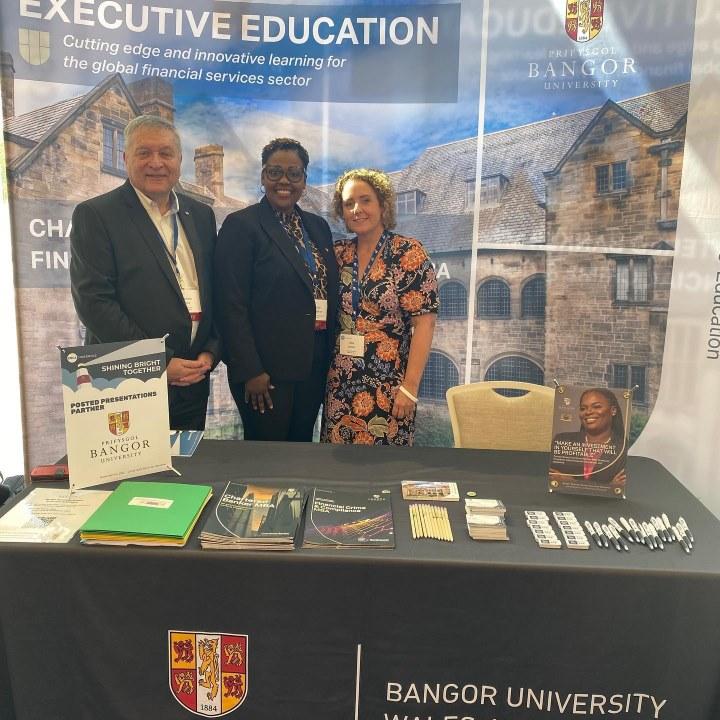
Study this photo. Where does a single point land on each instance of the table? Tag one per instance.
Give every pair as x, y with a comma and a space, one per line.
487, 631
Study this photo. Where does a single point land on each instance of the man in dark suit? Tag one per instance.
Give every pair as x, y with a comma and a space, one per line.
141, 266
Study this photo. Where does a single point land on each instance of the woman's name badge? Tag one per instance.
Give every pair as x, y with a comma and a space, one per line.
352, 344
320, 310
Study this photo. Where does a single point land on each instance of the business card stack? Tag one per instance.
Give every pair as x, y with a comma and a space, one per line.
485, 519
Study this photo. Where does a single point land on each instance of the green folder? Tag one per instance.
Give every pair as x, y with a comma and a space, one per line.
147, 513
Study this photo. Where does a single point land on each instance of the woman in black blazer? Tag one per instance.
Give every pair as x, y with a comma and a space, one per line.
276, 294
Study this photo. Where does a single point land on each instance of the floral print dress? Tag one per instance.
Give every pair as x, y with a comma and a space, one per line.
399, 284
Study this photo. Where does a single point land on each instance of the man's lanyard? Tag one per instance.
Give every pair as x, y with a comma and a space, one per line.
173, 255
356, 272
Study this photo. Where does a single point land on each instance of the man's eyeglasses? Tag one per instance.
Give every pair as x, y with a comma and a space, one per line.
275, 172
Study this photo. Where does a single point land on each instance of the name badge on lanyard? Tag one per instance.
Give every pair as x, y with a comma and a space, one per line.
321, 304
353, 343
192, 300
191, 295
321, 309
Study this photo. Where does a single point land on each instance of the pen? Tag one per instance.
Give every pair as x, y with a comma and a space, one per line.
619, 538
601, 534
656, 537
666, 522
682, 529
638, 529
684, 525
660, 527
593, 534
680, 539
656, 528
646, 536
607, 532
615, 525
630, 530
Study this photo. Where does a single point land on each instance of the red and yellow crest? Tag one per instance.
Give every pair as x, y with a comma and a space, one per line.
583, 19
208, 671
119, 422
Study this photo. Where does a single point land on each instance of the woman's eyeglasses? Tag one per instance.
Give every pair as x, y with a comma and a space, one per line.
293, 174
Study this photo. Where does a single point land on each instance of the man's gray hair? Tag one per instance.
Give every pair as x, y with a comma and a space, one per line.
150, 122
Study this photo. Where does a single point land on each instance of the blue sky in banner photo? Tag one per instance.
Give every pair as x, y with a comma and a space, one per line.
525, 36
643, 46
338, 135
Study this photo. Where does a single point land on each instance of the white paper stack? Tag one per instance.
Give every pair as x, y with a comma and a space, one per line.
485, 519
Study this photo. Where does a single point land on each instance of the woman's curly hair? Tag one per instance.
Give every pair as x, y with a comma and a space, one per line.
382, 185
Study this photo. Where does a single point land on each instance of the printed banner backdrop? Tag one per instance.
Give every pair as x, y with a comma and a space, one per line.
537, 149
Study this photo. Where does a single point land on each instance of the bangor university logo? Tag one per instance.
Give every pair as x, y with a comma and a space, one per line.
34, 46
119, 422
583, 19
208, 671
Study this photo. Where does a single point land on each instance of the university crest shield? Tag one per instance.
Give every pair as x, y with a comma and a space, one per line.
583, 19
119, 422
208, 671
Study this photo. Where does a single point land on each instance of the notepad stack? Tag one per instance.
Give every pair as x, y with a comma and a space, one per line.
485, 519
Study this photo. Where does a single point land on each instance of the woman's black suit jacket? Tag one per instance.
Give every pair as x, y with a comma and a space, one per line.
265, 307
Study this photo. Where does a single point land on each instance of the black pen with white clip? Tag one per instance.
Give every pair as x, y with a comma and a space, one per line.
615, 525
593, 534
682, 529
668, 526
647, 536
656, 537
610, 535
659, 526
601, 534
684, 526
679, 537
630, 531
619, 538
640, 533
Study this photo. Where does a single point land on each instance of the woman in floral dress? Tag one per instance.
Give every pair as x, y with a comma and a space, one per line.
386, 319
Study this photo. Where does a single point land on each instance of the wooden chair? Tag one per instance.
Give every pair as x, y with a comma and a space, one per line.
483, 418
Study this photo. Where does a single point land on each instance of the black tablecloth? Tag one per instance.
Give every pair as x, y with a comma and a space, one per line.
487, 631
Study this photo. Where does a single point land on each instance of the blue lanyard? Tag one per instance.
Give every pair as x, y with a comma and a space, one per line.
356, 271
307, 252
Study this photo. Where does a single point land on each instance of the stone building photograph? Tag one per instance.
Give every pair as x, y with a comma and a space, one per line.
576, 219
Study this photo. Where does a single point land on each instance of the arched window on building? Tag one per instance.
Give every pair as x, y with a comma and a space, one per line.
453, 300
514, 367
532, 300
493, 299
440, 374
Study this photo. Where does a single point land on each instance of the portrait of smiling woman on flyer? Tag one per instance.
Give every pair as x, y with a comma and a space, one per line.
601, 438
386, 319
276, 294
